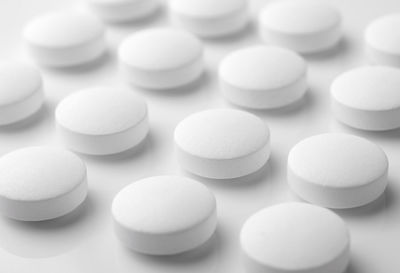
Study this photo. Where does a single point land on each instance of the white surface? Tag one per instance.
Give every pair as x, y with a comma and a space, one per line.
84, 240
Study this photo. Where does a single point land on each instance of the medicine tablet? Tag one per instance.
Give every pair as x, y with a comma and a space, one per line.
102, 120
295, 238
40, 183
164, 215
118, 11
263, 77
21, 92
161, 58
306, 26
337, 170
222, 143
210, 18
62, 39
368, 98
383, 40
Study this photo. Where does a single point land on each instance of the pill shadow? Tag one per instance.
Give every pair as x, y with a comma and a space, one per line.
341, 48
247, 31
353, 267
152, 18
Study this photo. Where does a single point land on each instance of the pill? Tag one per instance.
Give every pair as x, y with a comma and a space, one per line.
210, 18
263, 77
367, 98
306, 26
21, 92
382, 41
161, 58
102, 120
41, 183
295, 238
222, 143
337, 170
164, 215
118, 11
62, 39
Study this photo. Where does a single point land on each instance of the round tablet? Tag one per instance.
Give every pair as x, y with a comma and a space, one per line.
305, 26
263, 77
161, 58
295, 238
368, 98
62, 39
118, 11
102, 120
40, 183
164, 215
210, 18
337, 170
21, 92
222, 143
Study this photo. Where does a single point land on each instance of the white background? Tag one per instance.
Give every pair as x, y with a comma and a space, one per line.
84, 241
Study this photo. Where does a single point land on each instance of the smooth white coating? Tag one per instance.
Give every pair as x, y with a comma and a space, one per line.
368, 98
382, 41
222, 143
161, 58
295, 238
263, 77
337, 170
210, 18
306, 26
40, 183
102, 120
119, 11
62, 39
164, 215
21, 93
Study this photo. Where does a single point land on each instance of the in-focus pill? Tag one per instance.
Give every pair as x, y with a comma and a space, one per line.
210, 18
337, 170
306, 26
62, 39
41, 183
263, 77
118, 11
161, 58
164, 215
368, 98
102, 120
295, 238
222, 143
21, 92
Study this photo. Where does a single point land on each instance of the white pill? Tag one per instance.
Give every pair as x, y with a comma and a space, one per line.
161, 58
295, 238
62, 39
21, 92
263, 77
382, 40
337, 170
102, 120
306, 26
368, 98
222, 143
164, 215
210, 18
40, 183
118, 11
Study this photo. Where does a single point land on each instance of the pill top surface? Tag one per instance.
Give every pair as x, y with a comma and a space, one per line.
160, 49
63, 29
338, 160
17, 82
221, 134
207, 9
373, 88
163, 204
380, 35
39, 173
101, 111
251, 68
